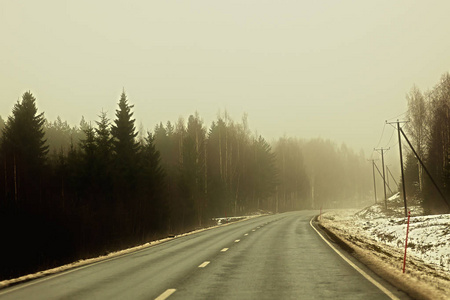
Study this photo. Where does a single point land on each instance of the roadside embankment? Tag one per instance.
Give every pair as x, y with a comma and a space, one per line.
377, 238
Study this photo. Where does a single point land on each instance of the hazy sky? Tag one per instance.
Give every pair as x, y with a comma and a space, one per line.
330, 69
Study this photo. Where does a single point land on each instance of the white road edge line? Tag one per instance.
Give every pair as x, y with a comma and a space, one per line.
364, 274
63, 273
224, 250
204, 264
166, 294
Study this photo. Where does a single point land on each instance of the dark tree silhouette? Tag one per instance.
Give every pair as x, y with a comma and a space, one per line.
102, 190
25, 150
125, 146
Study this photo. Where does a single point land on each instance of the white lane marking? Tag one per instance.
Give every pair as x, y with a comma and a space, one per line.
254, 230
204, 264
246, 234
237, 241
166, 294
224, 250
364, 274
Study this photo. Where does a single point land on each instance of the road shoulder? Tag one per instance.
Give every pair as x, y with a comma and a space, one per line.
82, 263
418, 282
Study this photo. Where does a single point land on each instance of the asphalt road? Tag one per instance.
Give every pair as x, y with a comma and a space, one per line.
272, 257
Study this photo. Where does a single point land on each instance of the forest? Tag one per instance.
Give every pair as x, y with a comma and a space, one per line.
73, 192
428, 130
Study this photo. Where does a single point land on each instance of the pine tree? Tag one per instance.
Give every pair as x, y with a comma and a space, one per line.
104, 146
88, 146
89, 161
124, 133
264, 172
153, 208
125, 148
103, 137
25, 149
2, 126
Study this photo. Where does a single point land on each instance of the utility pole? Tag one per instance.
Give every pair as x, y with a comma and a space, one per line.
382, 150
387, 176
373, 173
425, 168
401, 163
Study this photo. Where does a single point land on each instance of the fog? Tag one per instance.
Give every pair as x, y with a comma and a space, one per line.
281, 105
335, 70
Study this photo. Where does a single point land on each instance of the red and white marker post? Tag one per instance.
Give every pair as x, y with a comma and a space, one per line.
406, 241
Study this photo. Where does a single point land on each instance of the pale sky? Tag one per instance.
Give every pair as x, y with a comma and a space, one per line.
330, 69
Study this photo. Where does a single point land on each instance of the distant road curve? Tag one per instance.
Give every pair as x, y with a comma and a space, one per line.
271, 257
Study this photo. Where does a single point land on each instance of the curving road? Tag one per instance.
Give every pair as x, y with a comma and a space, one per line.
272, 257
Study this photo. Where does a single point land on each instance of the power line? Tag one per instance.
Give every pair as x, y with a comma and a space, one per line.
374, 184
382, 150
390, 139
397, 116
381, 137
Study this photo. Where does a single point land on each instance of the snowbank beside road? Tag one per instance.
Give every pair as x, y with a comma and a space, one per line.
380, 233
429, 236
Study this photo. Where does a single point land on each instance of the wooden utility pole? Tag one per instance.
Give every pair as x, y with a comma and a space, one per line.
401, 163
382, 150
374, 184
426, 170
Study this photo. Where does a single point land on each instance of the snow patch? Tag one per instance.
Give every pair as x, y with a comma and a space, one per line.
382, 233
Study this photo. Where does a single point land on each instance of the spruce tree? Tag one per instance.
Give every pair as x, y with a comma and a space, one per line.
264, 172
152, 185
25, 149
2, 126
89, 162
124, 133
125, 147
88, 146
103, 141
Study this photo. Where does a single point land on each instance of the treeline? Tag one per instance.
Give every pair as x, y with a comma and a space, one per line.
75, 192
429, 132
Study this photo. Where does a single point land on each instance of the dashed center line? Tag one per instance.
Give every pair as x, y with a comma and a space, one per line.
254, 230
224, 250
204, 264
246, 234
237, 241
166, 294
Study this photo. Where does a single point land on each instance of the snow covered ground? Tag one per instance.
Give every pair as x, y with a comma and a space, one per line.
382, 232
